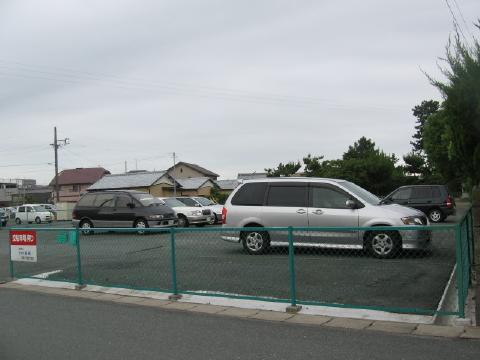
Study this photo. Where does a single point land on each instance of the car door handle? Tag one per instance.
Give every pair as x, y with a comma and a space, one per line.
317, 212
301, 211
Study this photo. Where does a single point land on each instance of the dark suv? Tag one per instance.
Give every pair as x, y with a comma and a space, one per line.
434, 200
122, 208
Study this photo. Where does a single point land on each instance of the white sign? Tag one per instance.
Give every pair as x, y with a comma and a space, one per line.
23, 245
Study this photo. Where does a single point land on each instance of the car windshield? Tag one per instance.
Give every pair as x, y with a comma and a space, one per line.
188, 201
174, 203
147, 200
204, 201
361, 193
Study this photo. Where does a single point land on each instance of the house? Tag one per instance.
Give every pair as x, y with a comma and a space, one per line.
73, 182
197, 186
227, 186
157, 183
184, 170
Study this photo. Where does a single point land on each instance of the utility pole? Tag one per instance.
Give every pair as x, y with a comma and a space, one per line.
56, 145
174, 182
125, 166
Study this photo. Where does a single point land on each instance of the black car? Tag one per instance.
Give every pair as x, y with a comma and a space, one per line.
434, 200
122, 208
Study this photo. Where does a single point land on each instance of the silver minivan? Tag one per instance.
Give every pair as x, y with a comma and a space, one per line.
317, 202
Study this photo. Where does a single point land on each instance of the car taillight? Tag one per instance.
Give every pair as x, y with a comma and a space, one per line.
449, 201
224, 215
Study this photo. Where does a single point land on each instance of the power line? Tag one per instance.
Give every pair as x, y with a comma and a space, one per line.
455, 22
463, 19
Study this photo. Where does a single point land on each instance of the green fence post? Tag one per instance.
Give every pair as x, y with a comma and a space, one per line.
175, 295
460, 265
293, 308
79, 261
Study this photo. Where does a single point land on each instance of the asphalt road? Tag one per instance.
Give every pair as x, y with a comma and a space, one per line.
206, 263
42, 326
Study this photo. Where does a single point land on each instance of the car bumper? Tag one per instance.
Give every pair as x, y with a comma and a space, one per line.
165, 223
230, 238
200, 219
416, 239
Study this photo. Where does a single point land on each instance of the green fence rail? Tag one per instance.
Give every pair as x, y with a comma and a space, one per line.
196, 261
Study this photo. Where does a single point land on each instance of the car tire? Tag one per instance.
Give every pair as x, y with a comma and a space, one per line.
384, 244
183, 221
18, 221
255, 242
86, 227
38, 220
140, 224
435, 215
213, 220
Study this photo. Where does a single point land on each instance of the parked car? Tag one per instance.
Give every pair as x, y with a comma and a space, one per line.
3, 218
316, 202
190, 201
29, 213
50, 207
201, 201
121, 208
433, 200
212, 205
187, 215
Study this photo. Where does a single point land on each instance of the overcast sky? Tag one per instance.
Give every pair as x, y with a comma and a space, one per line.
234, 86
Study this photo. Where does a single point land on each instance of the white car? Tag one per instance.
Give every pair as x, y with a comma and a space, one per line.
205, 203
30, 213
187, 215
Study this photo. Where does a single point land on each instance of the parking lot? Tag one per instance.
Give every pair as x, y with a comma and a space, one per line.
205, 263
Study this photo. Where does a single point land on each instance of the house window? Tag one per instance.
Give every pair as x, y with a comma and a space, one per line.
76, 188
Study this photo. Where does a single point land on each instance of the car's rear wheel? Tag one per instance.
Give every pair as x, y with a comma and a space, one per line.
213, 220
38, 220
435, 215
183, 221
140, 224
255, 242
18, 221
384, 244
86, 227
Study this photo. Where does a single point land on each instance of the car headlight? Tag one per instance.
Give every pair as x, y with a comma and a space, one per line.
412, 220
196, 212
155, 217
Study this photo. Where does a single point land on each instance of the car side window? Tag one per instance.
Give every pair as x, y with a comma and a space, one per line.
105, 200
436, 192
250, 194
21, 209
402, 194
29, 209
123, 201
423, 192
291, 196
325, 197
87, 200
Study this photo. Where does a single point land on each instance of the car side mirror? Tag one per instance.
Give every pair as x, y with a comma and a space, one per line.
351, 204
131, 205
198, 205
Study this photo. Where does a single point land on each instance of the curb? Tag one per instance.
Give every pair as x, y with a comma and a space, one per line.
459, 332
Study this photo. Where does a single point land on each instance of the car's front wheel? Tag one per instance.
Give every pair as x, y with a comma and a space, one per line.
38, 220
141, 224
255, 242
435, 215
213, 220
86, 227
384, 244
182, 221
18, 221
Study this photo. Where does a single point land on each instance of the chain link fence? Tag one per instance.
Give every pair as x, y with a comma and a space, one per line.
403, 270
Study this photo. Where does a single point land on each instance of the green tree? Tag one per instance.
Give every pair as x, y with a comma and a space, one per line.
414, 163
461, 107
287, 169
422, 112
361, 149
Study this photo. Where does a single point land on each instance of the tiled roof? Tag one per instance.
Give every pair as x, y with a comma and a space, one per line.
198, 168
227, 184
128, 181
80, 176
192, 183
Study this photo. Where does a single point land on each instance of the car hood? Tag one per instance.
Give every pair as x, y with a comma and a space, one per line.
183, 209
398, 210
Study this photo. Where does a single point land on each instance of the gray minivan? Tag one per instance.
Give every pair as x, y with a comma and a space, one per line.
318, 202
121, 208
